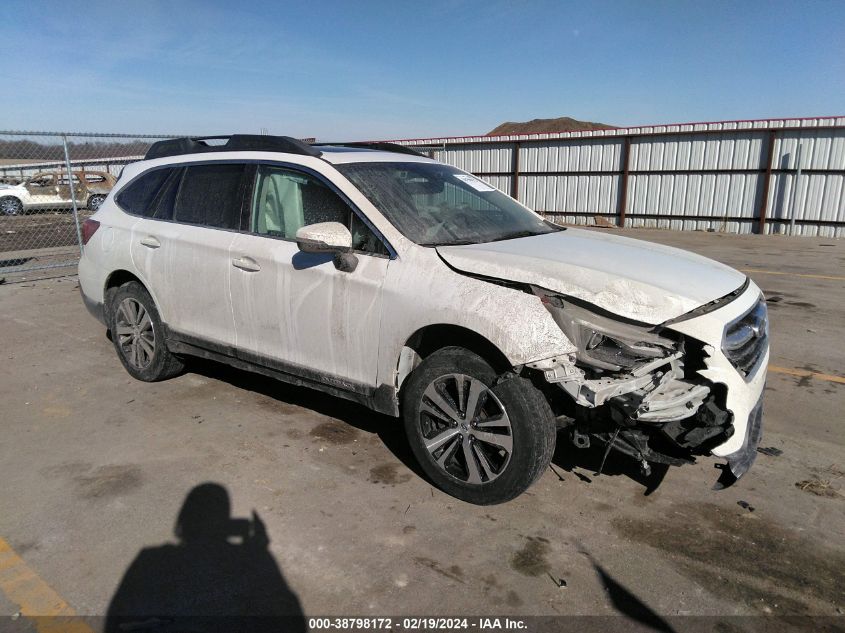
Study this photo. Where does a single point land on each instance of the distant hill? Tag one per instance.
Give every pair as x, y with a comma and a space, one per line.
544, 126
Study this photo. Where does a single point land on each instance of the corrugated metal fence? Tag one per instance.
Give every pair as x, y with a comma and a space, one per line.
736, 176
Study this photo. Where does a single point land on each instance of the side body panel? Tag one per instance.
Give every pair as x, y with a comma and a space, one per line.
299, 309
109, 250
189, 268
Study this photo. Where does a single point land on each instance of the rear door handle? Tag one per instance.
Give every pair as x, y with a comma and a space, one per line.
246, 263
150, 242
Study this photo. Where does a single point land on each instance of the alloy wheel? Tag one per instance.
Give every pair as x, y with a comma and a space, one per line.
135, 333
95, 202
465, 429
10, 206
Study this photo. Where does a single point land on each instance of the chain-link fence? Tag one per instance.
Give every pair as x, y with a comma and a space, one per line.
50, 183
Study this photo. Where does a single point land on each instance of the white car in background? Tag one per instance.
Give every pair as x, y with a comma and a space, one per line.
51, 191
414, 288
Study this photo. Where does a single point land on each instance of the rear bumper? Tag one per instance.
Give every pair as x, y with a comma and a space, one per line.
94, 307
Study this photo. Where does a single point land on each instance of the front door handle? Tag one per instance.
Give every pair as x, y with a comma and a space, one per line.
150, 242
246, 263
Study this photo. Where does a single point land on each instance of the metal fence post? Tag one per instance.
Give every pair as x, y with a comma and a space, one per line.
72, 193
515, 171
795, 200
623, 187
767, 181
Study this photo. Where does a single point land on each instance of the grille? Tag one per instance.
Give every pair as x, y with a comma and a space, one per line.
747, 339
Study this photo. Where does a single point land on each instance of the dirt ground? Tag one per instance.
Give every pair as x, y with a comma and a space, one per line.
39, 229
39, 239
95, 467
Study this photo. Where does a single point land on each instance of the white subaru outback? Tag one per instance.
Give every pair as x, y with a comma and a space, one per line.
375, 274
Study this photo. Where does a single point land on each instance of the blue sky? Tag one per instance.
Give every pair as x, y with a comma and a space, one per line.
398, 69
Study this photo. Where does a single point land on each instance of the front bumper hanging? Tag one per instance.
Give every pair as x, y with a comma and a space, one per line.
740, 461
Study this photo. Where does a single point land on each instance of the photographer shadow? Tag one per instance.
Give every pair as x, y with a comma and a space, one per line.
220, 576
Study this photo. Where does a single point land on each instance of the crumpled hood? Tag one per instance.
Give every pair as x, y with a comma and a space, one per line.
638, 280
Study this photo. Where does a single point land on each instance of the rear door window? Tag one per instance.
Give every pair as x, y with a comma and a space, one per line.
211, 195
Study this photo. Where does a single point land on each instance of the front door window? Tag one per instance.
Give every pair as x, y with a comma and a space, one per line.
284, 201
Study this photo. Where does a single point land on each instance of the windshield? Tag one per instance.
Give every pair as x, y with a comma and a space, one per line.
434, 204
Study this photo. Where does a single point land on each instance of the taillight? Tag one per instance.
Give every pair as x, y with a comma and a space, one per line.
89, 227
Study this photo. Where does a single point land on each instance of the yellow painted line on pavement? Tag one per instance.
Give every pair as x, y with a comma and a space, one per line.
34, 597
803, 373
777, 272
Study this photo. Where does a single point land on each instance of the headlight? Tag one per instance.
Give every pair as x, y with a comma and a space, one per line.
746, 339
604, 342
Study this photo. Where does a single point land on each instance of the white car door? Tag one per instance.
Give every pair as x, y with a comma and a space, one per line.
183, 251
296, 311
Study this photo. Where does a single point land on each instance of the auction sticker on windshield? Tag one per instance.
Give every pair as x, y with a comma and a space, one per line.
475, 183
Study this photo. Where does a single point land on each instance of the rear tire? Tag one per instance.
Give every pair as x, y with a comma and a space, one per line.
484, 454
95, 201
138, 335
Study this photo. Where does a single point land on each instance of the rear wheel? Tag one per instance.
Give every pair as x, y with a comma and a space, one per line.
481, 443
138, 335
95, 201
9, 205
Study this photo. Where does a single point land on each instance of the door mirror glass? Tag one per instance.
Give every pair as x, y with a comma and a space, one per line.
324, 237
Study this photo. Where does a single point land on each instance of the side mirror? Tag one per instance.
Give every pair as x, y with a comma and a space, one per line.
324, 237
329, 237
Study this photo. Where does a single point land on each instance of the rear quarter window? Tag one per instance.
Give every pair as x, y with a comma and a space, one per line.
138, 196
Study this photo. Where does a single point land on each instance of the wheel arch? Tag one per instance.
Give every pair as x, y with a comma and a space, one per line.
430, 338
115, 280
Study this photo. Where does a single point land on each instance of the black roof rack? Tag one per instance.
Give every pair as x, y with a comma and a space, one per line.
234, 143
378, 145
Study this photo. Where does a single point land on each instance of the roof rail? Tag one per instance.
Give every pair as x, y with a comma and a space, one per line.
378, 145
234, 143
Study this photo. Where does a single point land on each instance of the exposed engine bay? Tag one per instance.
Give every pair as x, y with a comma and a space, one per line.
636, 388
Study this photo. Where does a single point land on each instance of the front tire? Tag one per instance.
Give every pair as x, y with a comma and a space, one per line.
479, 442
9, 205
138, 335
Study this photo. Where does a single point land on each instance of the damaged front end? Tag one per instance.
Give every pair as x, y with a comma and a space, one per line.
636, 389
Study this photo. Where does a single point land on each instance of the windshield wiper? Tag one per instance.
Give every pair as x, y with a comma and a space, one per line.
455, 243
516, 234
528, 233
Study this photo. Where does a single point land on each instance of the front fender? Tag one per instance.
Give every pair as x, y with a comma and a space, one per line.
421, 291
